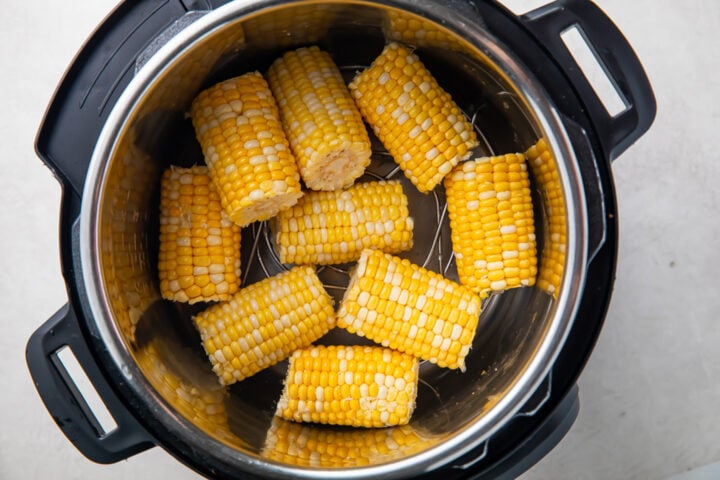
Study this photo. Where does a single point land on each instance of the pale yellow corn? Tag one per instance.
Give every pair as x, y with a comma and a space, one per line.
408, 308
416, 120
545, 172
491, 223
357, 386
238, 126
308, 446
334, 227
262, 324
199, 258
323, 125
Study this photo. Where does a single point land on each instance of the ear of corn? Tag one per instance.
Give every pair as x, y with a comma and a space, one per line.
310, 446
238, 126
325, 129
491, 222
262, 324
545, 171
334, 227
199, 259
415, 119
357, 386
408, 308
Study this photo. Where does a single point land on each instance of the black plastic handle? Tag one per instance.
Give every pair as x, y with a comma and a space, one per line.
616, 56
96, 79
64, 402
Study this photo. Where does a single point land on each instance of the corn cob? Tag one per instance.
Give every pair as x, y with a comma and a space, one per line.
309, 446
199, 259
415, 119
237, 124
264, 323
408, 308
545, 171
357, 386
334, 227
491, 223
323, 125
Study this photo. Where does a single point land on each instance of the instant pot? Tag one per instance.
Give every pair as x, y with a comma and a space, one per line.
119, 118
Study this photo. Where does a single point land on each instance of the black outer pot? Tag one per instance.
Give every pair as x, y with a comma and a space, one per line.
104, 67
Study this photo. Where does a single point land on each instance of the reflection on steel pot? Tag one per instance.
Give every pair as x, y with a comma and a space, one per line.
514, 80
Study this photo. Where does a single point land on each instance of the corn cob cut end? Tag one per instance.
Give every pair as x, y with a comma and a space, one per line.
336, 166
358, 386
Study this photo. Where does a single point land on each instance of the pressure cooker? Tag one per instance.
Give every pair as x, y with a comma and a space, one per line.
119, 118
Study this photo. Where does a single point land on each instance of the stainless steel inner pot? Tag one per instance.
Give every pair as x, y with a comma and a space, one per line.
153, 342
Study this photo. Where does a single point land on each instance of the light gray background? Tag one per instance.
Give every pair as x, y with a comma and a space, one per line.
651, 390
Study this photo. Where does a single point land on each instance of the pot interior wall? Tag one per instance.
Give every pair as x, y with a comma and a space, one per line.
160, 335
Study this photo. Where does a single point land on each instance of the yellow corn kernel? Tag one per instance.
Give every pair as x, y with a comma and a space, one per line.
342, 223
416, 120
187, 273
491, 223
376, 387
545, 171
262, 324
323, 125
432, 318
237, 124
309, 446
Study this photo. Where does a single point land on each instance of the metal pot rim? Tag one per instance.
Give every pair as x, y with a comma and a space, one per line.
96, 301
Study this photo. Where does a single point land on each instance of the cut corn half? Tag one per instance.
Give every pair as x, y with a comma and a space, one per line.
325, 129
411, 309
199, 259
416, 120
491, 223
357, 386
334, 227
545, 171
309, 446
238, 126
262, 324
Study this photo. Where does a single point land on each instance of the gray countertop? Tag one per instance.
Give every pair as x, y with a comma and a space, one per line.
650, 392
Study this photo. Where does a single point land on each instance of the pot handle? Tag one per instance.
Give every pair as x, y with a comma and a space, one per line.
616, 57
95, 80
67, 405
